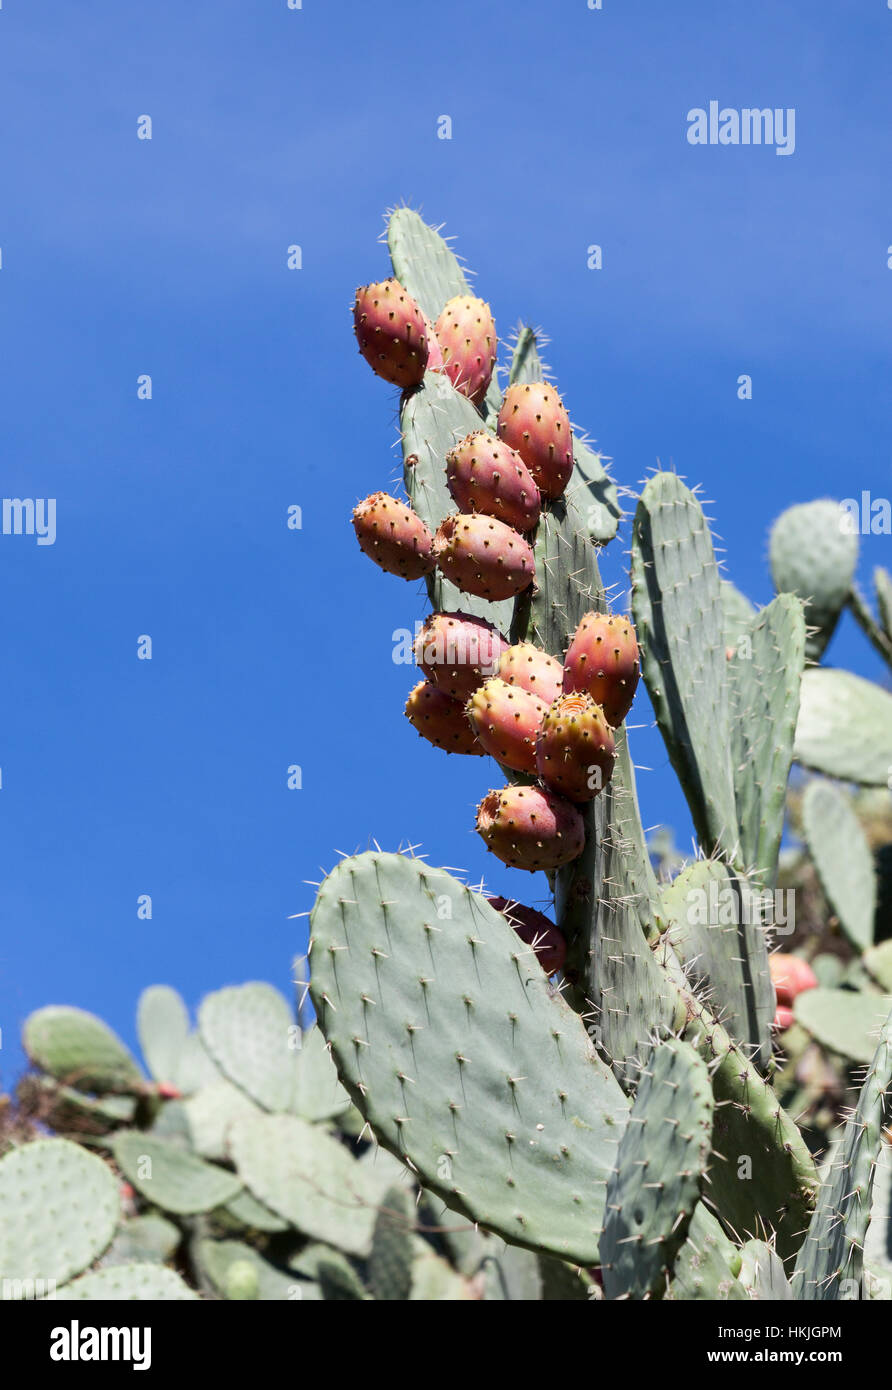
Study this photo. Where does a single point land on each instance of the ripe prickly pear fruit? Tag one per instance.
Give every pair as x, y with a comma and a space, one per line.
507, 720
783, 1017
533, 421
467, 336
390, 330
536, 930
458, 652
392, 535
790, 975
529, 828
486, 476
434, 351
533, 670
441, 720
575, 748
602, 661
483, 556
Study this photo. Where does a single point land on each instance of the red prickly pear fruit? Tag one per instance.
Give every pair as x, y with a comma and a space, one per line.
126, 1191
790, 975
486, 476
441, 720
783, 1017
536, 930
482, 556
168, 1091
528, 828
575, 748
458, 652
533, 421
434, 351
533, 670
467, 336
506, 720
391, 333
602, 661
392, 535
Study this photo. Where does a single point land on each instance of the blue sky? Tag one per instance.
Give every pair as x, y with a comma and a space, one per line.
272, 647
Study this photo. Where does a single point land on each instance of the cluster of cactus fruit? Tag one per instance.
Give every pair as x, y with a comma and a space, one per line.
551, 721
648, 1094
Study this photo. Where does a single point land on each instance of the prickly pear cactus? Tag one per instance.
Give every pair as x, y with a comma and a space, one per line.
495, 1103
461, 1057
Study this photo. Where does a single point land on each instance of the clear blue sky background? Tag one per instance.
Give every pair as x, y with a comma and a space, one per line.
271, 647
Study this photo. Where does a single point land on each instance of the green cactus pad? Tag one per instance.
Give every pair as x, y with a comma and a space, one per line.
842, 858
424, 263
762, 1272
739, 614
196, 1069
594, 494
143, 1240
308, 1178
526, 364
162, 1022
250, 1032
563, 1283
764, 676
146, 1283
878, 1242
510, 1274
318, 1094
169, 1177
830, 1264
435, 1281
844, 727
707, 1264
217, 1259
78, 1048
660, 1166
678, 610
763, 1178
390, 1263
211, 1111
878, 961
442, 1029
246, 1209
59, 1207
715, 929
339, 1281
172, 1122
882, 581
812, 555
568, 584
606, 903
843, 1020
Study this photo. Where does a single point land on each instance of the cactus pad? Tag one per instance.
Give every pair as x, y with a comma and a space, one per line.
251, 1034
843, 860
169, 1177
59, 1208
660, 1166
78, 1048
442, 1025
